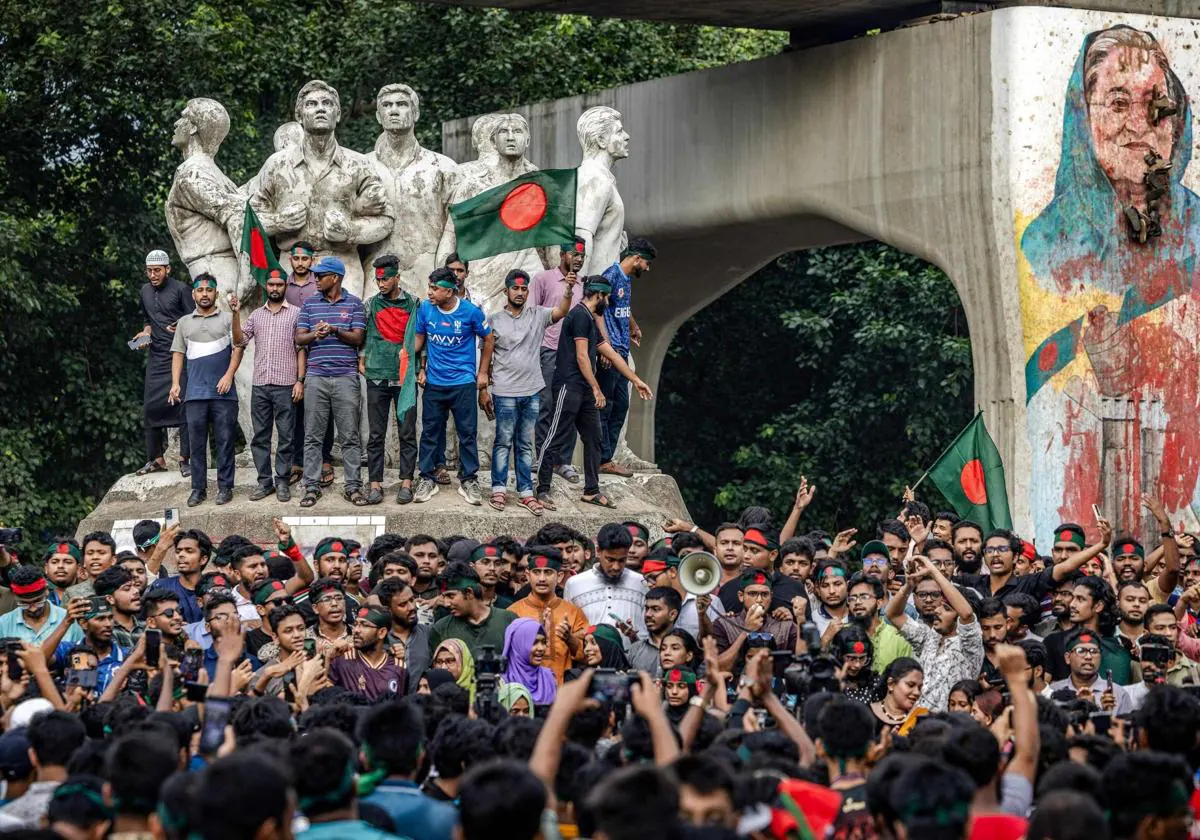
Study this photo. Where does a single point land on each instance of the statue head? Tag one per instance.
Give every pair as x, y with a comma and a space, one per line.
397, 107
287, 135
600, 130
511, 136
206, 120
318, 107
481, 136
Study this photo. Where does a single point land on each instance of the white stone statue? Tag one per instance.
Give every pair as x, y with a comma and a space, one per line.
599, 211
286, 136
321, 192
204, 208
419, 183
501, 158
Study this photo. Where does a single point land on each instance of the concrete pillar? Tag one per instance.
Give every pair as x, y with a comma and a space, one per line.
944, 140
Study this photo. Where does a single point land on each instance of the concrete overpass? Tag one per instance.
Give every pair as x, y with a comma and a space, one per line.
942, 139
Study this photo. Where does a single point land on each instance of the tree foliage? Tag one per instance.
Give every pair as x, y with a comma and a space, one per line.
88, 96
858, 376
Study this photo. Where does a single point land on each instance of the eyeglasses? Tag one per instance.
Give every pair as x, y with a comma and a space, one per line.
169, 612
997, 549
36, 602
875, 561
861, 596
1086, 651
927, 596
330, 599
284, 599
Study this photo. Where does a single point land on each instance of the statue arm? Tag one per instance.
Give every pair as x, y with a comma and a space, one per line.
266, 200
375, 216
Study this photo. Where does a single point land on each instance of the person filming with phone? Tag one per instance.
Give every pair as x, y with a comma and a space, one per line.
95, 618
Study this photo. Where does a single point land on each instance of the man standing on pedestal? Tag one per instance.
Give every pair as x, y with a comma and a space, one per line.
164, 301
332, 326
446, 331
205, 338
622, 331
301, 285
277, 386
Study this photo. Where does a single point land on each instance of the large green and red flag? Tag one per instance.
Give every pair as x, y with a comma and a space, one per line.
970, 475
257, 245
527, 212
1051, 356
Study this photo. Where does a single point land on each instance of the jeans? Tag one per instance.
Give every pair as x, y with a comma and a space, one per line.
381, 403
515, 421
438, 402
156, 442
272, 405
548, 360
332, 399
573, 411
298, 438
615, 388
222, 414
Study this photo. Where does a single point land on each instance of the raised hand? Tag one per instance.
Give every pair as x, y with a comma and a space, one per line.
804, 494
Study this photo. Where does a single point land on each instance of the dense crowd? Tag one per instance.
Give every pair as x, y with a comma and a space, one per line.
752, 681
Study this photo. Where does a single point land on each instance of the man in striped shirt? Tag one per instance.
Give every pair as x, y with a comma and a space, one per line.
332, 326
278, 369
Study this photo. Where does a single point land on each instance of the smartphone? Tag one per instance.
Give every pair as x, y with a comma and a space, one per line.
82, 677
1096, 512
170, 516
195, 692
153, 647
611, 687
99, 604
11, 649
310, 648
138, 343
189, 668
216, 716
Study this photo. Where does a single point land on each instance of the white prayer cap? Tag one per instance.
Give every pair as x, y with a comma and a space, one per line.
157, 257
28, 710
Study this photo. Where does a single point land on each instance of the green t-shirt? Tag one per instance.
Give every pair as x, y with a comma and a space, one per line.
489, 632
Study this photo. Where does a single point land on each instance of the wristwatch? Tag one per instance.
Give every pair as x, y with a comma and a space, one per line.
1168, 534
697, 701
694, 529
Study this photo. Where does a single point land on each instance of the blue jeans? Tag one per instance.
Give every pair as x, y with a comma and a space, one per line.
615, 388
437, 403
516, 418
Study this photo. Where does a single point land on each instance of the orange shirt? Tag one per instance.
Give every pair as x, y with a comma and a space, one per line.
558, 657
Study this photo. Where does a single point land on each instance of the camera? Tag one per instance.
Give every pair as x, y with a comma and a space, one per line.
488, 669
611, 687
11, 536
808, 674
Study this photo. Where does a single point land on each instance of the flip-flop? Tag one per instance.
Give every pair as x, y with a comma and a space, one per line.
599, 500
531, 504
151, 467
546, 502
497, 501
327, 476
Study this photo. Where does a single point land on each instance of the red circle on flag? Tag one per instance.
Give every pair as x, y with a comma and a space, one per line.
1048, 356
524, 207
971, 480
391, 322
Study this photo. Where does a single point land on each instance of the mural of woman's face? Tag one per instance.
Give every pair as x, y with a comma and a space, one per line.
1125, 83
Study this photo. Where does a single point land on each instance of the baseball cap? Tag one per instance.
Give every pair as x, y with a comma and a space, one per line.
330, 265
14, 755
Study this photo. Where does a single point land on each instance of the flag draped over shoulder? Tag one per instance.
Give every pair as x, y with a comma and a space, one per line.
527, 212
382, 361
257, 245
970, 475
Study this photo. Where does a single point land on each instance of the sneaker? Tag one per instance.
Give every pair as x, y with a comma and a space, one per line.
261, 493
283, 492
224, 495
426, 490
442, 475
567, 472
469, 490
404, 495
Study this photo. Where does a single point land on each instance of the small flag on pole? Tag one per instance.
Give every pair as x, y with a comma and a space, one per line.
257, 245
527, 212
970, 475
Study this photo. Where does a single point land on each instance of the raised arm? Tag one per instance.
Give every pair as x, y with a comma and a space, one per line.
1026, 738
804, 496
1168, 576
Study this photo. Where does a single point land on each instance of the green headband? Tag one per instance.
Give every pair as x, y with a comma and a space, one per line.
603, 287
755, 578
461, 584
384, 272
344, 788
204, 281
62, 548
373, 615
683, 675
1129, 547
445, 283
330, 545
297, 251
1069, 535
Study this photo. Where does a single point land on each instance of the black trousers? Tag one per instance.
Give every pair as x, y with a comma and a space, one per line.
381, 401
156, 442
271, 405
574, 411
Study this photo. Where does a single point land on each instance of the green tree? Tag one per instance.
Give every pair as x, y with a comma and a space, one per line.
88, 96
860, 375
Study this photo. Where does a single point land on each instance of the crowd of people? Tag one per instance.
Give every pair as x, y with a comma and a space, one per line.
550, 365
938, 681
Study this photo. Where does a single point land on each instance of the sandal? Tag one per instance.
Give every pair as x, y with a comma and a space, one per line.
356, 498
497, 501
296, 475
327, 475
546, 502
310, 497
151, 466
531, 504
599, 500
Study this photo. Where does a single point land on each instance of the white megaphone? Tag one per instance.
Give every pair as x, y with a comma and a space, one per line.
700, 573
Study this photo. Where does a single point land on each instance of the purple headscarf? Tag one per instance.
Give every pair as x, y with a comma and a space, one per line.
518, 642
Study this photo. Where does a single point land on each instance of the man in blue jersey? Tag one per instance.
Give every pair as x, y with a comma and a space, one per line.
446, 333
205, 337
332, 326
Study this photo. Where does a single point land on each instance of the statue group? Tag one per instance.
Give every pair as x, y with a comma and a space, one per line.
394, 199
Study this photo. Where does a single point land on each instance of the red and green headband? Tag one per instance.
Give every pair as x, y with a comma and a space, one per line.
681, 675
384, 272
638, 532
1126, 547
1069, 535
462, 584
28, 589
757, 537
63, 548
755, 579
265, 591
330, 545
300, 251
485, 550
541, 561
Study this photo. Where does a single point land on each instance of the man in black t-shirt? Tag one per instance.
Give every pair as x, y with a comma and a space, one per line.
576, 394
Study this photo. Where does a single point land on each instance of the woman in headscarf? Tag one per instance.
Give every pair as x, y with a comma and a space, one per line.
455, 657
602, 648
524, 650
516, 699
679, 687
432, 678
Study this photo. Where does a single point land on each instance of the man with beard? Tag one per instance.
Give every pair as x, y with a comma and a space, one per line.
119, 586
278, 384
608, 593
164, 301
578, 399
517, 383
1021, 613
486, 560
373, 671
993, 624
332, 563
967, 540
738, 633
249, 566
831, 592
895, 538
34, 618
97, 625
547, 289
1060, 607
1001, 549
470, 619
427, 554
222, 617
1068, 539
865, 599
661, 613
1082, 674
877, 559
1129, 557
407, 639
204, 337
1133, 598
564, 623
61, 563
760, 548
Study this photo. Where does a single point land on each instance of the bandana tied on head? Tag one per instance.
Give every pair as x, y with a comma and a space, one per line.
265, 590
329, 545
204, 280
1069, 535
375, 616
484, 551
519, 638
760, 538
639, 252
1129, 547
300, 251
385, 272
596, 284
568, 247
28, 589
755, 578
446, 283
681, 675
62, 548
638, 531
541, 561
653, 567
1086, 637
516, 279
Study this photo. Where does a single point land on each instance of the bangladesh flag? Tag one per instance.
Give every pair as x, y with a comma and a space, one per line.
527, 212
257, 245
1051, 356
970, 475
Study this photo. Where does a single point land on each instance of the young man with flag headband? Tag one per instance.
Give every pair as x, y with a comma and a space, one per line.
373, 671
205, 338
277, 386
516, 375
737, 633
640, 547
1083, 647
470, 620
61, 562
389, 366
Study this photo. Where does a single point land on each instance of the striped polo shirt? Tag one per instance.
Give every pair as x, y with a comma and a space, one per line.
207, 342
330, 356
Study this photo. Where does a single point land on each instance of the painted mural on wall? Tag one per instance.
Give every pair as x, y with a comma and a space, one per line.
1108, 269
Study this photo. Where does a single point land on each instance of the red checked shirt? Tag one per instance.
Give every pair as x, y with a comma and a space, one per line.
274, 335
